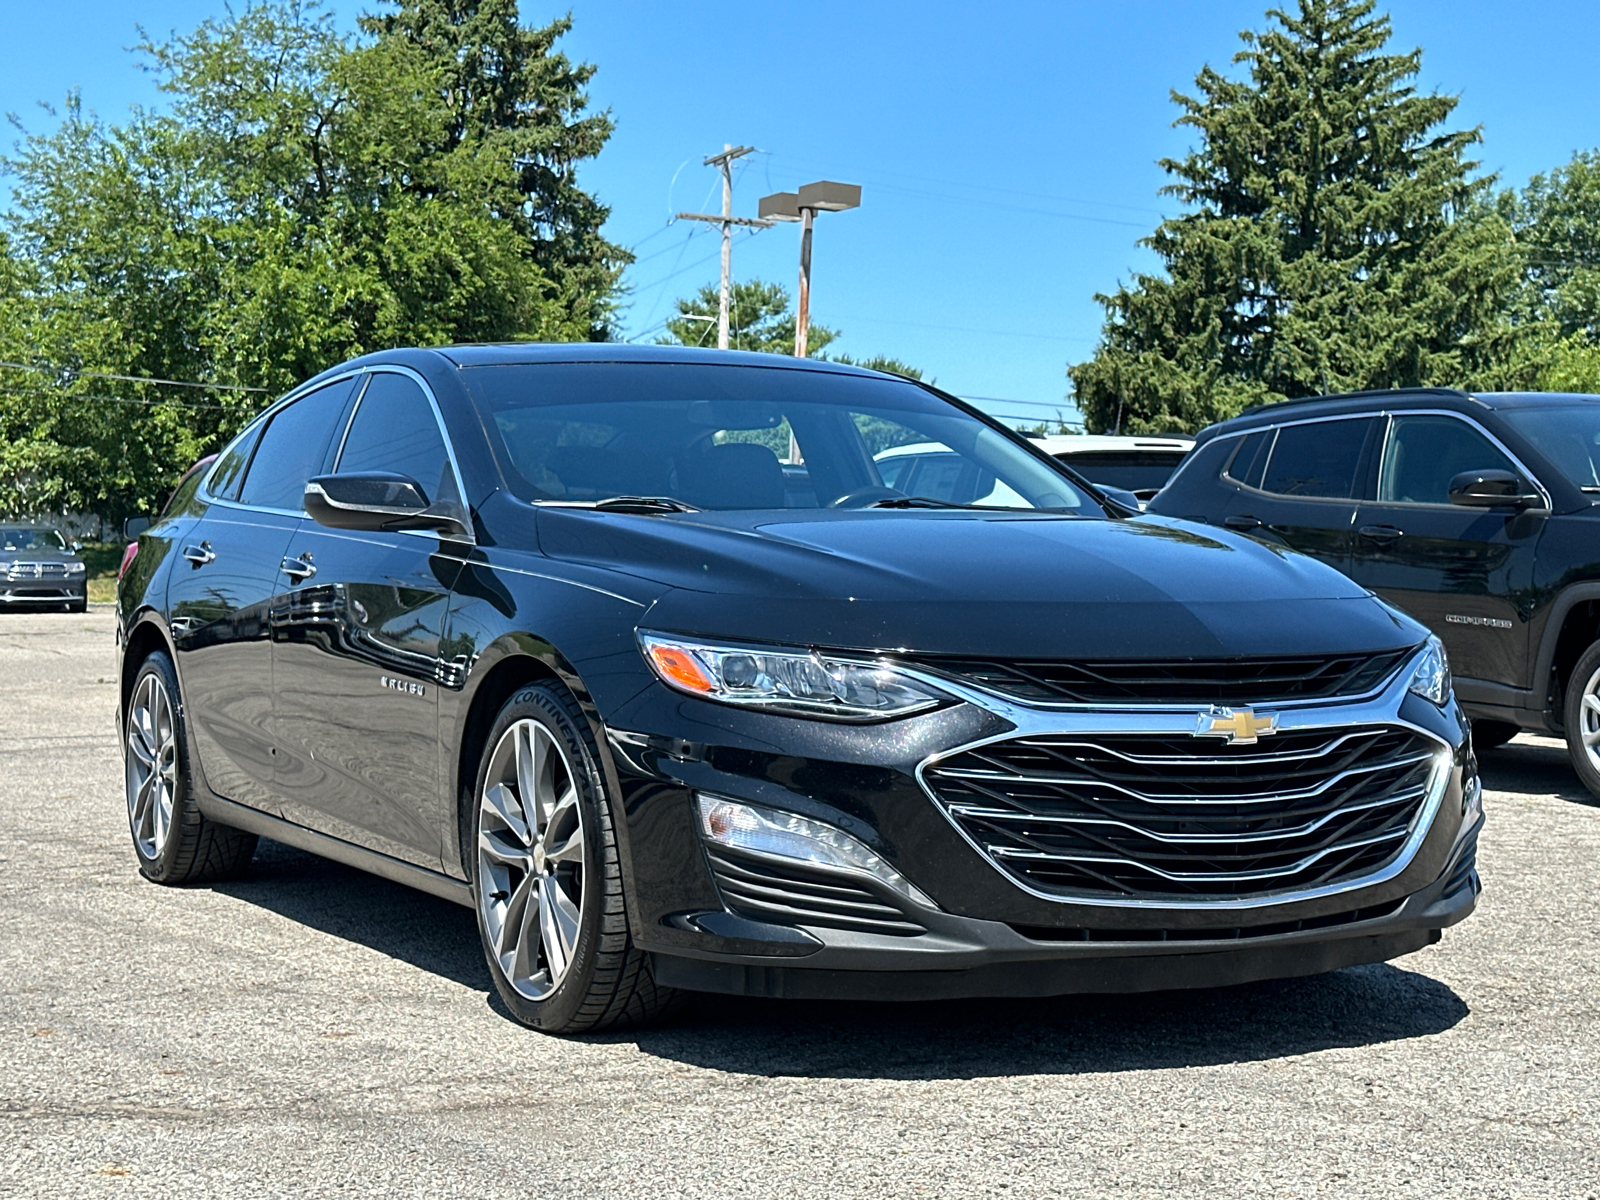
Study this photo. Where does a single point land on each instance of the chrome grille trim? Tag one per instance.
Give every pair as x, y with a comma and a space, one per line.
1338, 717
1167, 798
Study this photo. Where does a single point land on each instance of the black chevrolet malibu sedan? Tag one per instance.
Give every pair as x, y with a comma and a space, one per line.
633, 652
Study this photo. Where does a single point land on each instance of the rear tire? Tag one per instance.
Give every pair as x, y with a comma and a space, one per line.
1581, 718
174, 841
1486, 735
547, 877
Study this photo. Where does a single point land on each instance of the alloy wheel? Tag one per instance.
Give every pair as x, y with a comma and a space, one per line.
1589, 719
152, 766
530, 859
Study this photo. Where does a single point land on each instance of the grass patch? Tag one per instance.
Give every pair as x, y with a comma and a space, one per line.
102, 560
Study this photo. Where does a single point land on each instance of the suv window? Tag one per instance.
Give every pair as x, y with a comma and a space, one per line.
395, 430
291, 449
1316, 459
1425, 452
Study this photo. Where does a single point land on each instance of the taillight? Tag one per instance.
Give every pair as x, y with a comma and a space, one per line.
128, 556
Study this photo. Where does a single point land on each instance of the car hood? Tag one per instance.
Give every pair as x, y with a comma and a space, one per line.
962, 582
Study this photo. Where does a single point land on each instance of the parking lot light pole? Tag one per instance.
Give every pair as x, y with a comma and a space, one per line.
802, 206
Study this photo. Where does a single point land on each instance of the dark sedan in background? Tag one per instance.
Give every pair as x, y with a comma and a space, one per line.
636, 652
40, 568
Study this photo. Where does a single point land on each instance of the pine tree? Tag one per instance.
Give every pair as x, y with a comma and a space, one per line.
759, 318
1335, 239
510, 94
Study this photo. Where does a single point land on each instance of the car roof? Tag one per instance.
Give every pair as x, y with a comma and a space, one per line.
1088, 443
29, 525
517, 353
1400, 398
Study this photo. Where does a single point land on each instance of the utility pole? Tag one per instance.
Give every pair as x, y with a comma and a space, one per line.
803, 206
724, 163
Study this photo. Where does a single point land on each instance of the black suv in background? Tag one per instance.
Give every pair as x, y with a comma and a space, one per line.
1475, 513
40, 568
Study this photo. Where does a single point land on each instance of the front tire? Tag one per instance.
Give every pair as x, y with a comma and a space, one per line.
1581, 718
174, 841
546, 876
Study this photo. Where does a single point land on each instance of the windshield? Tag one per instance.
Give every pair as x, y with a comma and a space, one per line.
32, 539
725, 437
1568, 436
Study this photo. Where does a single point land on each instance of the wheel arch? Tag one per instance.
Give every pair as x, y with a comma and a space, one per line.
510, 663
146, 634
1573, 625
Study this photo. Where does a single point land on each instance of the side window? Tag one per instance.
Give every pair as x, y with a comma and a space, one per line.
224, 481
1249, 459
292, 447
1424, 453
1316, 459
394, 429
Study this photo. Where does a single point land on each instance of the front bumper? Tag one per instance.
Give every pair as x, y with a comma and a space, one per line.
43, 591
988, 933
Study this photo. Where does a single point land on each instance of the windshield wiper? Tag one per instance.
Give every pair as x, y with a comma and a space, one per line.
644, 504
919, 502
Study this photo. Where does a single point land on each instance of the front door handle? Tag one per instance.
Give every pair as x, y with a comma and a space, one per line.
299, 569
1243, 522
200, 555
1384, 535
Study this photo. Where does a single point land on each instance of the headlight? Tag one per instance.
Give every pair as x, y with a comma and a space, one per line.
798, 682
76, 568
742, 826
1430, 678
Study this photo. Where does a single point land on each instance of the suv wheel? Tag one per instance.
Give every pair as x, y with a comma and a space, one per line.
1581, 718
546, 876
175, 843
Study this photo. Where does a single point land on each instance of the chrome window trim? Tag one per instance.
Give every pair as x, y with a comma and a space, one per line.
1278, 428
306, 389
1388, 432
1387, 415
1383, 709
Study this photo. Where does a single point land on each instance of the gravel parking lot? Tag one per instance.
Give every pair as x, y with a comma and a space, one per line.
314, 1030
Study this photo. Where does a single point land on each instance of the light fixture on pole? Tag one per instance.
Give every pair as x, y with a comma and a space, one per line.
802, 206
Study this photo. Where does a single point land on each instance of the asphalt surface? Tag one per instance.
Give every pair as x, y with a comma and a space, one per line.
316, 1031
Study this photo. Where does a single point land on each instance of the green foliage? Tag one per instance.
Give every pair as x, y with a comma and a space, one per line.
308, 198
759, 318
1335, 239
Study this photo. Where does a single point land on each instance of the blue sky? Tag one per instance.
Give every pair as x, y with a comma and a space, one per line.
1007, 152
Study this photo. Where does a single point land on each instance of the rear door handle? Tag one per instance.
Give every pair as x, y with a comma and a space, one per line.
1384, 535
1243, 522
299, 569
200, 555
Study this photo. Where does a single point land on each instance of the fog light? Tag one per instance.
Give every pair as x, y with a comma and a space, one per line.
741, 826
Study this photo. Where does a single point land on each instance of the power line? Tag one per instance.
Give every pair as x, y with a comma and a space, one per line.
1049, 337
73, 371
42, 393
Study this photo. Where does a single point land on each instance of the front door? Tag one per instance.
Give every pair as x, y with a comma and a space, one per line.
221, 590
1455, 569
356, 647
1301, 487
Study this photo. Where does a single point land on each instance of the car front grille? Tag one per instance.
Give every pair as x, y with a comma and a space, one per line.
36, 570
1180, 681
1169, 817
792, 895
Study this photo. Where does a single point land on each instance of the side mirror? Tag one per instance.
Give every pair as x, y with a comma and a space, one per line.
1123, 497
376, 501
75, 546
1492, 489
133, 527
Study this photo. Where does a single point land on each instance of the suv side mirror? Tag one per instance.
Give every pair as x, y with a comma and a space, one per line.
134, 526
1491, 489
376, 501
75, 546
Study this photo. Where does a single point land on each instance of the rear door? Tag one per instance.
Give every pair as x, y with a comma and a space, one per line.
1297, 485
220, 592
1457, 570
357, 644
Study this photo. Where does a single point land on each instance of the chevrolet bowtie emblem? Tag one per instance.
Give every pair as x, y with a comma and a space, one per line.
1236, 725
